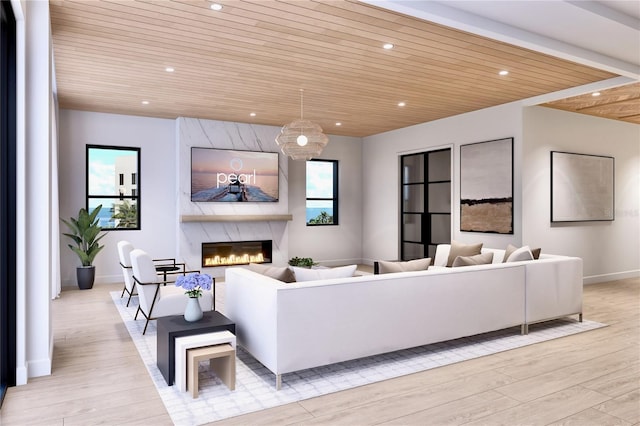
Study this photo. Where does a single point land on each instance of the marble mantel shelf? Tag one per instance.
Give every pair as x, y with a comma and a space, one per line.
237, 218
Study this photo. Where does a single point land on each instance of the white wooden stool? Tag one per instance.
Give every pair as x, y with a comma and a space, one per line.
195, 341
222, 360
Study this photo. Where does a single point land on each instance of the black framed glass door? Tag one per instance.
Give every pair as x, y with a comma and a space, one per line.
7, 198
425, 206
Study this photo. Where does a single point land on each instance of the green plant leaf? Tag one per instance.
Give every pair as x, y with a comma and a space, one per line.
86, 233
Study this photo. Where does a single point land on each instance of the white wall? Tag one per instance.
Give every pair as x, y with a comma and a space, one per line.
330, 245
610, 250
381, 174
156, 138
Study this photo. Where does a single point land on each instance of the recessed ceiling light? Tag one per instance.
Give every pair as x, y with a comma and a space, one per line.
169, 69
145, 102
338, 124
216, 6
595, 94
504, 72
387, 46
253, 114
401, 104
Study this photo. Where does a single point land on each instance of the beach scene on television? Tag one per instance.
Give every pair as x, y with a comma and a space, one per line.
220, 175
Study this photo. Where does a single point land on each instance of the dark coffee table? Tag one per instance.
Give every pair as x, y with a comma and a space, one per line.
175, 326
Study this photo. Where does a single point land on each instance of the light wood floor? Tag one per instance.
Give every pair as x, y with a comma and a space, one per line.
592, 378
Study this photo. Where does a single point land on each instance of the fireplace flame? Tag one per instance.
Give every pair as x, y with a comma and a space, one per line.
234, 259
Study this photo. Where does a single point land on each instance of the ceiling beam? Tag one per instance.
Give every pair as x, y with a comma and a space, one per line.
456, 18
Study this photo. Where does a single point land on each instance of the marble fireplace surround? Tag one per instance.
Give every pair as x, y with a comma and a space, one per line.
204, 222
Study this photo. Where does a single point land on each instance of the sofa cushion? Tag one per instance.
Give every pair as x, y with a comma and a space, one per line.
279, 273
460, 249
478, 259
518, 255
306, 274
387, 267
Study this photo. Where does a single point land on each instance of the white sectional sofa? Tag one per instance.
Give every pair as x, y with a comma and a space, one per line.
291, 327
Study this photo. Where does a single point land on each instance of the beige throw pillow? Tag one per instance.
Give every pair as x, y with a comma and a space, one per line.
478, 259
521, 254
535, 253
279, 273
510, 249
387, 267
460, 249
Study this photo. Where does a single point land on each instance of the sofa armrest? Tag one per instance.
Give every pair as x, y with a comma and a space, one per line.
251, 302
553, 288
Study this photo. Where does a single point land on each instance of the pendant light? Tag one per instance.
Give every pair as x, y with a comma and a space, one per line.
302, 139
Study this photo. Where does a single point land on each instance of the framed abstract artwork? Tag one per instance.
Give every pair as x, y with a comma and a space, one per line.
582, 187
486, 186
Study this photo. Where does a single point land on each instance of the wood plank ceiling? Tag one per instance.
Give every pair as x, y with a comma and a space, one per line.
255, 56
620, 103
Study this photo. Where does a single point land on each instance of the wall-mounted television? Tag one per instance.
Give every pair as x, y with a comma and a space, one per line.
224, 175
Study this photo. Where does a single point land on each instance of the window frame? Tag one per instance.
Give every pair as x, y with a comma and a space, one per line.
8, 197
334, 198
135, 196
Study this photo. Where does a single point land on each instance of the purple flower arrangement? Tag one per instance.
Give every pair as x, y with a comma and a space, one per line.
194, 283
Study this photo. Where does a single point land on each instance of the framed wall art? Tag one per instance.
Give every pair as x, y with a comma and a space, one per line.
486, 186
582, 187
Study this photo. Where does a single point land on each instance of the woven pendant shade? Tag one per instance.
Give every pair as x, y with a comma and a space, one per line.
301, 139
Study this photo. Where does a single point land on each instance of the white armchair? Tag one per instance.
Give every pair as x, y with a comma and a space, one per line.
164, 266
156, 298
124, 253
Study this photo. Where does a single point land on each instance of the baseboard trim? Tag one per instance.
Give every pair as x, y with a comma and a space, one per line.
595, 279
21, 376
39, 368
100, 279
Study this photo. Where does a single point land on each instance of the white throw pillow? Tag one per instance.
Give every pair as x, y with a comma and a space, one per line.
521, 254
306, 274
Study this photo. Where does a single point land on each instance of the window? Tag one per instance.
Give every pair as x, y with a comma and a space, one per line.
106, 168
322, 192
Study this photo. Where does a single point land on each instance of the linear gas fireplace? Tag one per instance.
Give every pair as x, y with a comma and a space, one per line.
236, 253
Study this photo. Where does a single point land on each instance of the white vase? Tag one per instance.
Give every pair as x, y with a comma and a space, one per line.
193, 311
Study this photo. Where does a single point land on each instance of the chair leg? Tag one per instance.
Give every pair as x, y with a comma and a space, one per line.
138, 310
145, 326
128, 301
123, 290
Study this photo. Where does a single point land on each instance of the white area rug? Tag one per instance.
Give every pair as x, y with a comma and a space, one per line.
255, 385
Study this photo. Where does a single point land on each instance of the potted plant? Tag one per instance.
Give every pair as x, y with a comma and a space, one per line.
85, 233
305, 262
